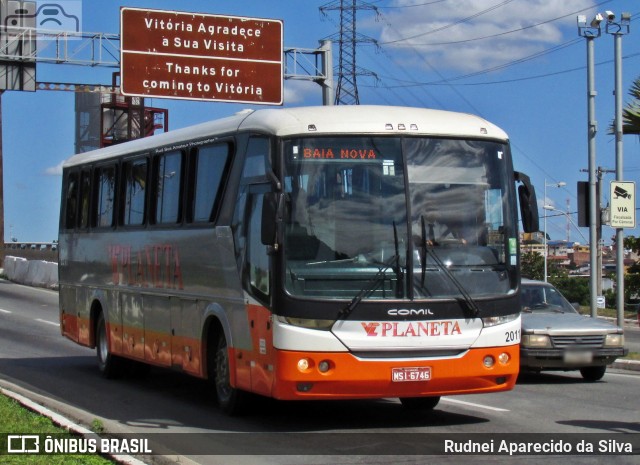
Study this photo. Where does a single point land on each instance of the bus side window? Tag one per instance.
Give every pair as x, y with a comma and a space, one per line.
257, 258
210, 163
135, 189
168, 195
105, 185
85, 199
71, 201
255, 165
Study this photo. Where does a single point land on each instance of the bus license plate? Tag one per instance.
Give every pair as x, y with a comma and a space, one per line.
410, 374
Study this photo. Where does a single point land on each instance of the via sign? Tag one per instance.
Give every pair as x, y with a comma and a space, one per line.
623, 204
196, 56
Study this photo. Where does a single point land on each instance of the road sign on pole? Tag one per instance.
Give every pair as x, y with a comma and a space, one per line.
623, 204
196, 56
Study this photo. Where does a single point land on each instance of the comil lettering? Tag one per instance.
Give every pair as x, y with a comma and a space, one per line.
409, 311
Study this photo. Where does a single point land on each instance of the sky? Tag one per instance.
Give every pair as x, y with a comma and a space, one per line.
518, 63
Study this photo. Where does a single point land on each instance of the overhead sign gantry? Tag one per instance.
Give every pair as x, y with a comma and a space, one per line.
196, 56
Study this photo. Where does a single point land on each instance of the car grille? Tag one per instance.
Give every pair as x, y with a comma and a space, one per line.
561, 342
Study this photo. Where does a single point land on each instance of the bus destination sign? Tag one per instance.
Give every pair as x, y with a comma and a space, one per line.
197, 56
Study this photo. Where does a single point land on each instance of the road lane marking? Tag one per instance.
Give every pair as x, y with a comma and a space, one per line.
48, 322
5, 311
471, 404
624, 375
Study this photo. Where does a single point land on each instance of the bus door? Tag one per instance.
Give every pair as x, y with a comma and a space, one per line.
258, 284
254, 266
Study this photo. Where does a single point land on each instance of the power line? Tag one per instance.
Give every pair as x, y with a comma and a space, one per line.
499, 34
455, 23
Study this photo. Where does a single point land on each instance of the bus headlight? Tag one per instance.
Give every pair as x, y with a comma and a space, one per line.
498, 320
614, 340
307, 323
536, 340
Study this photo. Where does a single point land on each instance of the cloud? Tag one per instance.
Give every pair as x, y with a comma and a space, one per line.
296, 92
468, 35
54, 170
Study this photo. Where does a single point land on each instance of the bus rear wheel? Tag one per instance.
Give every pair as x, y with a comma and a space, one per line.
230, 400
420, 403
110, 365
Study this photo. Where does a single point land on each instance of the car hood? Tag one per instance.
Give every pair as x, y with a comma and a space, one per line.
564, 323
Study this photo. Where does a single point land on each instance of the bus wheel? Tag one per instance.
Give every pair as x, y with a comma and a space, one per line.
420, 403
110, 365
229, 399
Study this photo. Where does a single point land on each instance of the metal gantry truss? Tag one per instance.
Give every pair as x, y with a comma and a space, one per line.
99, 49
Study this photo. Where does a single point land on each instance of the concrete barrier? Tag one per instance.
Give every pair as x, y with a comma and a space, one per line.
31, 272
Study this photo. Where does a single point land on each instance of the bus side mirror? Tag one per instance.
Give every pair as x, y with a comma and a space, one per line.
272, 206
528, 204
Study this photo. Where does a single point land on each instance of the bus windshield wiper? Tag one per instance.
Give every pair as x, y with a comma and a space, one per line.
424, 251
471, 304
379, 278
369, 288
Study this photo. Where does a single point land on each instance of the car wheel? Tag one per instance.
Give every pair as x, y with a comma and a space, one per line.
420, 403
593, 373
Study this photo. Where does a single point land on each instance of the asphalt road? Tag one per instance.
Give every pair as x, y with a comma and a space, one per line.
164, 405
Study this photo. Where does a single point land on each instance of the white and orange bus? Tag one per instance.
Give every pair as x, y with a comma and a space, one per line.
306, 253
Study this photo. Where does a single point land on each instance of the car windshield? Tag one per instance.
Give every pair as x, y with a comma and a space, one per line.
544, 298
411, 218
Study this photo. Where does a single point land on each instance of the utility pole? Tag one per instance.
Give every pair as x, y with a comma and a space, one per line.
348, 38
1, 191
590, 32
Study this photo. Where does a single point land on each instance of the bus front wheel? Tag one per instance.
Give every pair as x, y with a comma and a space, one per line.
230, 400
110, 365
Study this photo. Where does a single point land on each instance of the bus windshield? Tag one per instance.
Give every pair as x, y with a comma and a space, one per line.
398, 218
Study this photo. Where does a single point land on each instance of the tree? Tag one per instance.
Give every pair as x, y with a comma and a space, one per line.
631, 113
532, 266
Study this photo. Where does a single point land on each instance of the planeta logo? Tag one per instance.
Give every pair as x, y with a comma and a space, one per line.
411, 328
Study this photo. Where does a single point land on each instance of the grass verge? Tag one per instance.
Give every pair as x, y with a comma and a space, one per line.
18, 420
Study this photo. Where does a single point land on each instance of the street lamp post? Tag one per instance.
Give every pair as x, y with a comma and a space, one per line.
546, 251
551, 208
618, 28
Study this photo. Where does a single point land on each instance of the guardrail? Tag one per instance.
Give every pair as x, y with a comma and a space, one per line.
38, 273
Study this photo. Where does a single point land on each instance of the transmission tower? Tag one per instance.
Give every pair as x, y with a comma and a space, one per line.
347, 39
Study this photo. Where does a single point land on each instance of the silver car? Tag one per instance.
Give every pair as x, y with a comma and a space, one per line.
556, 337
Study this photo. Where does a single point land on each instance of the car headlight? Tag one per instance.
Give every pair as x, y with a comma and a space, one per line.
536, 340
614, 340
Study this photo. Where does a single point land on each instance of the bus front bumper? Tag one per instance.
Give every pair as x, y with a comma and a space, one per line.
337, 375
